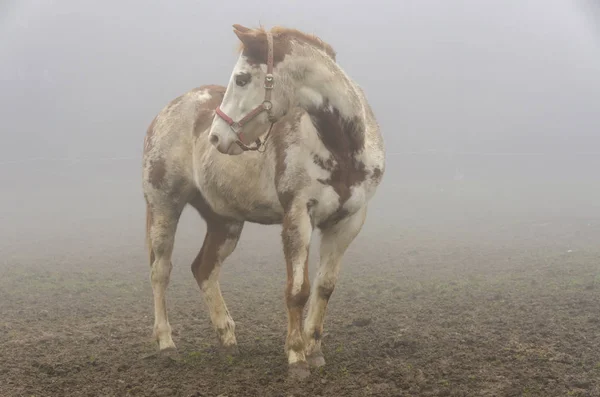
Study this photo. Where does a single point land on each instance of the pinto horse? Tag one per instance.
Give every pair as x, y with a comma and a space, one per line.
291, 140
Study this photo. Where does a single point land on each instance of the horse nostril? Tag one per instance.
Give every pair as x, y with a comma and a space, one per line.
214, 139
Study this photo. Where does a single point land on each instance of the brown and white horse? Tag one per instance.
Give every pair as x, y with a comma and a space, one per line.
291, 140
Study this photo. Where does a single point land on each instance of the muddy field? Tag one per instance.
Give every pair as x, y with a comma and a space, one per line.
431, 301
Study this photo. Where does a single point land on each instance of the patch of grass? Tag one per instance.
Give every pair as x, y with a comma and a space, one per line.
229, 359
344, 371
193, 357
531, 391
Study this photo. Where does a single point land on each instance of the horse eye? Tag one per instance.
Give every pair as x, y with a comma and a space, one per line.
242, 79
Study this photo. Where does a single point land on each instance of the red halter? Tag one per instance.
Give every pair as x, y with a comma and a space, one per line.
266, 105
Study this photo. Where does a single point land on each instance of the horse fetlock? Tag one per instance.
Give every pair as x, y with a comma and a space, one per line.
162, 335
226, 334
312, 345
295, 341
313, 352
296, 356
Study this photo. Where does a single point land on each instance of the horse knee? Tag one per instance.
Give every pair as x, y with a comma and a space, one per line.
299, 298
161, 271
325, 290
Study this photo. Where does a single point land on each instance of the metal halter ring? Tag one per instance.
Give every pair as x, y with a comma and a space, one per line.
269, 81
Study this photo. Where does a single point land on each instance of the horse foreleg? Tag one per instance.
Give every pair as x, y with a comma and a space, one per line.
334, 242
296, 235
220, 241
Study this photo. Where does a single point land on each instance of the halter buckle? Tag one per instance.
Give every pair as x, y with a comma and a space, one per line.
269, 81
236, 127
267, 105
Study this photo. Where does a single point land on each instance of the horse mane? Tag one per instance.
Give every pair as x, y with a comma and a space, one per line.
290, 34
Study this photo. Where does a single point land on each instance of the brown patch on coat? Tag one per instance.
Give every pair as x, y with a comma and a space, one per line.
343, 138
291, 240
299, 300
286, 198
207, 258
377, 174
205, 111
325, 164
334, 218
156, 172
218, 230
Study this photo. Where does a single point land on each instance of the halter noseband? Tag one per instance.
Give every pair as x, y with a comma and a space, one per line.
265, 106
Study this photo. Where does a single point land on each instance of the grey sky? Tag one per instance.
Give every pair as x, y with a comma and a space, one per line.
84, 80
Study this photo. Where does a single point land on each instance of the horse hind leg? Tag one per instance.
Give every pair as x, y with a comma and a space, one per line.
222, 236
334, 242
161, 226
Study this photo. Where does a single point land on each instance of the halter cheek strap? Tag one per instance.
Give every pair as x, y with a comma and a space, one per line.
265, 106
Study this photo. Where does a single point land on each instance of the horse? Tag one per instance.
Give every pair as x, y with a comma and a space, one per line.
291, 141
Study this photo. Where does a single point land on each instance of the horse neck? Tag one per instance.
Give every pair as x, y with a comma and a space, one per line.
326, 83
335, 106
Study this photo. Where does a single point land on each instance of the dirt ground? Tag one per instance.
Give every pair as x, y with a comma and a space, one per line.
502, 307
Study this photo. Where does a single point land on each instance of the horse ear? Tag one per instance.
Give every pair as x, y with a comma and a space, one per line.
250, 39
241, 28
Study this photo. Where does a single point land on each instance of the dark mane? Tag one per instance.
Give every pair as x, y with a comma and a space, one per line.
295, 34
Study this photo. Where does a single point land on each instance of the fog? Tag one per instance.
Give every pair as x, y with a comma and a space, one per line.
498, 92
488, 110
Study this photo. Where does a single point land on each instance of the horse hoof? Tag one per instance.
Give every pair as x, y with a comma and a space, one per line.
316, 360
169, 352
299, 371
168, 349
232, 350
165, 343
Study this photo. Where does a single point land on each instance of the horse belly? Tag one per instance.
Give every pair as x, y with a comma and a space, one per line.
244, 202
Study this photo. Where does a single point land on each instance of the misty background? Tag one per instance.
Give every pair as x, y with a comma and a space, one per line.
489, 110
